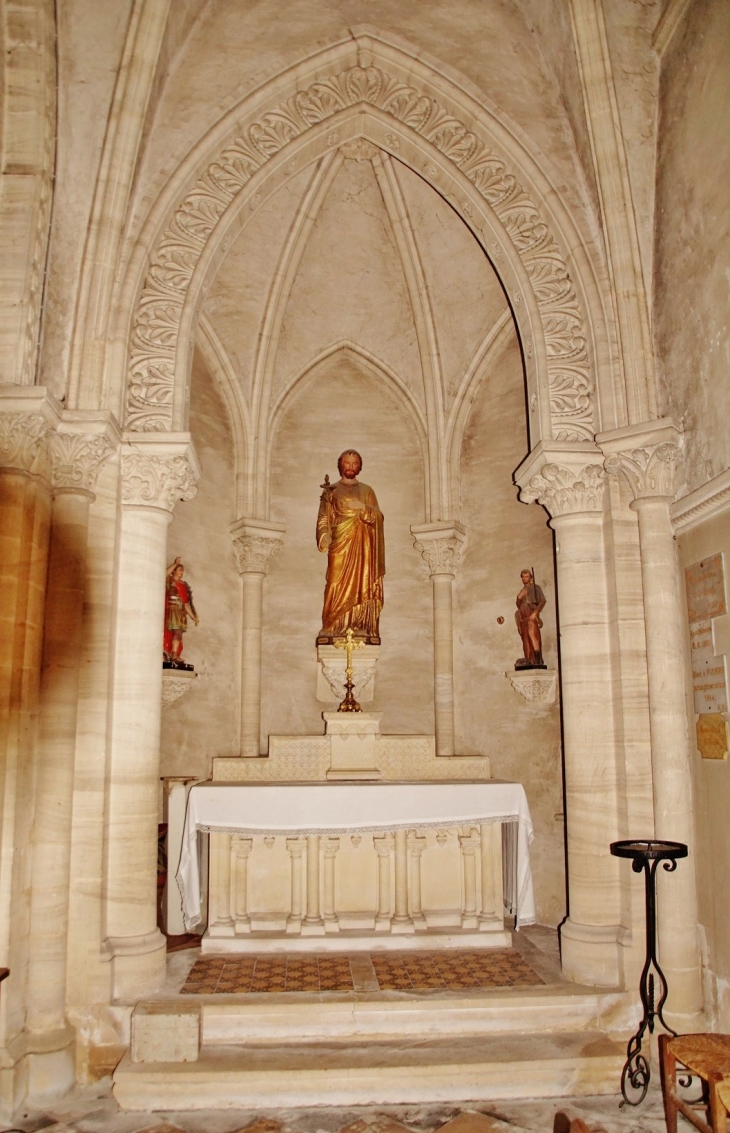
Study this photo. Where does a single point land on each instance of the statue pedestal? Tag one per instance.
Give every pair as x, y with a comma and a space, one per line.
354, 738
331, 664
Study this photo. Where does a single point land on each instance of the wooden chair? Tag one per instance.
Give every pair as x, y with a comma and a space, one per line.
707, 1057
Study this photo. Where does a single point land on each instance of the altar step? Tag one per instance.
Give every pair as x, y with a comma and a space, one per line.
291, 1049
376, 1073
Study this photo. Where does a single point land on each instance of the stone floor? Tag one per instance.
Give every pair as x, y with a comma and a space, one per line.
93, 1110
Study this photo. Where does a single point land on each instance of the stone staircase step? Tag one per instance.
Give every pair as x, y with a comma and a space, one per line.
376, 1073
276, 1018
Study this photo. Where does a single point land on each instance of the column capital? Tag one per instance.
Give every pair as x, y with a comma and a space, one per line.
565, 478
158, 470
646, 455
79, 447
241, 845
255, 542
330, 846
566, 491
440, 545
28, 415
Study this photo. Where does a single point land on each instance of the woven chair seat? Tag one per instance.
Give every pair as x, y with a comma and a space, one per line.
702, 1053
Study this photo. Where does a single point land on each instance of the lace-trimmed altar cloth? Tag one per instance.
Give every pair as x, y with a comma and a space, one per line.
348, 808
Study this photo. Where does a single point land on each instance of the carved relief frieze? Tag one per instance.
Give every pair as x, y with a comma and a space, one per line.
440, 547
253, 552
23, 442
77, 459
649, 471
563, 491
156, 481
157, 318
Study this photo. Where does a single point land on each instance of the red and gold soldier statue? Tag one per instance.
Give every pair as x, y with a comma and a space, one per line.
178, 608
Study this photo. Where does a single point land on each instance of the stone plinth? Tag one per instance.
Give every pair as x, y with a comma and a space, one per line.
332, 662
353, 740
162, 1032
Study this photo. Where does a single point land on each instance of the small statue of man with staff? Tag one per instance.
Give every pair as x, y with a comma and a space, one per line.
530, 603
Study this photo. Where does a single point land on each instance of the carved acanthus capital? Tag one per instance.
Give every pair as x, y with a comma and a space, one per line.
24, 442
563, 491
440, 545
650, 472
77, 459
255, 542
158, 475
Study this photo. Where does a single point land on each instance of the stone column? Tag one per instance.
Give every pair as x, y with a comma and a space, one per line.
254, 541
295, 846
646, 456
441, 545
401, 920
572, 492
491, 915
156, 473
76, 459
469, 845
27, 417
416, 846
331, 922
382, 846
220, 897
241, 853
313, 925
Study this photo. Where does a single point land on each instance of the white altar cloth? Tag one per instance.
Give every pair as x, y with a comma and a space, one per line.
345, 808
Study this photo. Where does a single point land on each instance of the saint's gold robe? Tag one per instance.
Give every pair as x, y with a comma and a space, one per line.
353, 594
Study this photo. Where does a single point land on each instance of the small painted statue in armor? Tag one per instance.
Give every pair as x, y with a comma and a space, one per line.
178, 608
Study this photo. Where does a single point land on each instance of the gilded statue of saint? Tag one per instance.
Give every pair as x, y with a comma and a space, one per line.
350, 530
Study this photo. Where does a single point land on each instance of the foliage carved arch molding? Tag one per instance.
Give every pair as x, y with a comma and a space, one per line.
442, 142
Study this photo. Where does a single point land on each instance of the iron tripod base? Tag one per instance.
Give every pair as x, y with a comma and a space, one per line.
653, 987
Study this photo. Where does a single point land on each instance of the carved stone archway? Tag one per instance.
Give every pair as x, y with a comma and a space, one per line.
393, 101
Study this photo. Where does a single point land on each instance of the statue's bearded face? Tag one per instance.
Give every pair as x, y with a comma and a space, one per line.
349, 465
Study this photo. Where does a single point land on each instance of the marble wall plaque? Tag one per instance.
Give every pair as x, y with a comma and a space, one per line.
705, 582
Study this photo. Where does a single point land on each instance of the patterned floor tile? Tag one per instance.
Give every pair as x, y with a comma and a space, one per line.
401, 971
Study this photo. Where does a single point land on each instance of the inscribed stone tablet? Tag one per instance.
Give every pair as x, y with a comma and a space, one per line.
712, 738
706, 589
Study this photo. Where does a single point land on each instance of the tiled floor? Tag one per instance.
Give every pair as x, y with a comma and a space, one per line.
378, 971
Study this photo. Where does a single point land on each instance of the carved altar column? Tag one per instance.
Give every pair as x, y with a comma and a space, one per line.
492, 910
331, 921
221, 921
313, 925
416, 846
572, 491
401, 920
254, 541
295, 846
241, 853
441, 545
469, 844
646, 456
382, 846
157, 471
78, 449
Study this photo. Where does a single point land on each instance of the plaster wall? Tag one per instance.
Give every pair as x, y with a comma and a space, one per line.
692, 248
90, 44
231, 51
711, 794
344, 407
204, 723
521, 738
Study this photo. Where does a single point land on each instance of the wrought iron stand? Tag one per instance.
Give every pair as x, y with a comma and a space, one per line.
653, 987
